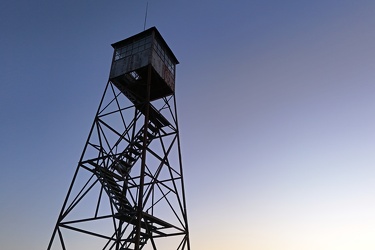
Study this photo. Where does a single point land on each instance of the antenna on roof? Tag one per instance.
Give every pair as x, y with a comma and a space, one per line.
144, 25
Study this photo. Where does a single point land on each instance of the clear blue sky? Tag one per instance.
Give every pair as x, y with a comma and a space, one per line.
276, 109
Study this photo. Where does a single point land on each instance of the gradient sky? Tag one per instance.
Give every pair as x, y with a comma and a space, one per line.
276, 110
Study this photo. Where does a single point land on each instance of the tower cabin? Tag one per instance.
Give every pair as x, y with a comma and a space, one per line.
130, 70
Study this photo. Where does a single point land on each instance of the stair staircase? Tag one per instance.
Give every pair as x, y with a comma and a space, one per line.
126, 160
116, 194
118, 172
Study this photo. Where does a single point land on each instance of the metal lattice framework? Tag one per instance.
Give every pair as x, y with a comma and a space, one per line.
128, 190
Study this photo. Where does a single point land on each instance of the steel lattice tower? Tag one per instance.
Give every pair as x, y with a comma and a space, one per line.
128, 189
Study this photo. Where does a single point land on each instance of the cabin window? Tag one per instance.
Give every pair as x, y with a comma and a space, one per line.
161, 52
133, 48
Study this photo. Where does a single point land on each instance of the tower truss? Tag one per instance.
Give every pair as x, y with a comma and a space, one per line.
127, 192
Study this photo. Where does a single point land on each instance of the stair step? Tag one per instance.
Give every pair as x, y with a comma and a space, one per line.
117, 192
133, 151
124, 165
150, 135
142, 241
110, 181
140, 138
153, 128
106, 173
129, 157
138, 144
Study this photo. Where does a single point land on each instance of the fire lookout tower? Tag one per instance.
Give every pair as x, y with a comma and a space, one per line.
127, 192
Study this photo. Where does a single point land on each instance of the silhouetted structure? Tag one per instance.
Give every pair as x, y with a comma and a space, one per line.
128, 189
